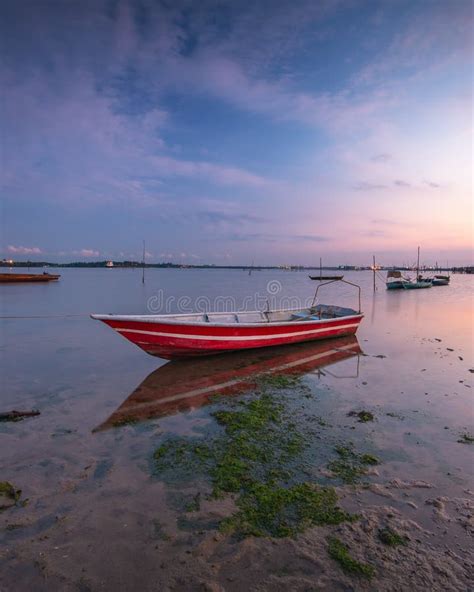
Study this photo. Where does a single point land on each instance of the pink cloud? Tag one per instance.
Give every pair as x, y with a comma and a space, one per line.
87, 253
24, 250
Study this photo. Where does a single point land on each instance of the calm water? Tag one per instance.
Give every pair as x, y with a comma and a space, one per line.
418, 348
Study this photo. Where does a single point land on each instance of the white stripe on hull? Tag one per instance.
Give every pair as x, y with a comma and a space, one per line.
237, 337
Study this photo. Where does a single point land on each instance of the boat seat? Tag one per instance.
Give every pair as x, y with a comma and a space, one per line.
301, 316
251, 317
223, 318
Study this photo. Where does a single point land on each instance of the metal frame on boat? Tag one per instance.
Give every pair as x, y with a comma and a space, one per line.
186, 335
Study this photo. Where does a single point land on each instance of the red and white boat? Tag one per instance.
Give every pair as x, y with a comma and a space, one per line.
186, 335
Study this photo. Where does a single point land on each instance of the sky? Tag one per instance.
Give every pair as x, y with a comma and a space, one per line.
228, 132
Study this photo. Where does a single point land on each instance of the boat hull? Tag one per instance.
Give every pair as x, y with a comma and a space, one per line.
172, 340
325, 278
417, 285
440, 282
395, 285
10, 278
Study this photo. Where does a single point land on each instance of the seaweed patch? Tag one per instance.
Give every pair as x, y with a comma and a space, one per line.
340, 552
350, 465
9, 495
391, 538
254, 456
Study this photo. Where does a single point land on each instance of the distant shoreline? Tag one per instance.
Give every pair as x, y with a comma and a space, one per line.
138, 265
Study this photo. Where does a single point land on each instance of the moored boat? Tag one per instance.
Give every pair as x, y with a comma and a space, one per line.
185, 335
9, 278
324, 278
395, 280
441, 280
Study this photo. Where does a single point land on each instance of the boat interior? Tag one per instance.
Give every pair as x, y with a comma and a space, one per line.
315, 313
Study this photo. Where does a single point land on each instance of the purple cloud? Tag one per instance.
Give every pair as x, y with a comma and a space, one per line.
382, 157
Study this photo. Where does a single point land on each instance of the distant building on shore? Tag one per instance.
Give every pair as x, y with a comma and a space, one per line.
109, 264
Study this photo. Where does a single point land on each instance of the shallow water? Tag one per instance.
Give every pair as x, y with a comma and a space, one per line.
93, 507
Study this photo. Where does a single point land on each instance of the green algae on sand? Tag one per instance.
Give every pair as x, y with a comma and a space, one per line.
466, 438
9, 496
254, 459
340, 553
351, 466
391, 538
364, 416
268, 510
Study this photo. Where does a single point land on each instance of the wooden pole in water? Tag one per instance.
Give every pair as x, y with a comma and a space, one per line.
373, 267
250, 270
143, 264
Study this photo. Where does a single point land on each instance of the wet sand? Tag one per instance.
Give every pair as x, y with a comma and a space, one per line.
97, 517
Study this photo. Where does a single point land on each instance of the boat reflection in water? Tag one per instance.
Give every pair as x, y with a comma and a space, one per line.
186, 384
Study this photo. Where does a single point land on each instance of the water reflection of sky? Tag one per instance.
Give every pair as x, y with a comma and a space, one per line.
78, 372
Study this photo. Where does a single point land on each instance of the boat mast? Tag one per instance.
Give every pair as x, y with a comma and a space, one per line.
143, 264
418, 265
320, 268
373, 268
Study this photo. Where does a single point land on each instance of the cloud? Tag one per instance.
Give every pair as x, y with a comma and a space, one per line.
432, 184
387, 222
225, 175
181, 255
382, 157
23, 250
87, 253
375, 233
308, 237
271, 238
400, 183
217, 217
366, 186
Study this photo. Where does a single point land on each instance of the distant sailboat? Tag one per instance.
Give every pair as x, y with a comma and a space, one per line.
419, 282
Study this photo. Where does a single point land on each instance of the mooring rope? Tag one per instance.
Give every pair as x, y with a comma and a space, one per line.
67, 316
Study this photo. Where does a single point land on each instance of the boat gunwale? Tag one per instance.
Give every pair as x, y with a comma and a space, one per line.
165, 320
